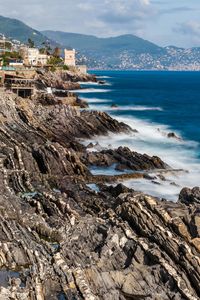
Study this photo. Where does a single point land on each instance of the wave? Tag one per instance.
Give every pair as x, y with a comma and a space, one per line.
94, 83
96, 100
142, 108
124, 108
88, 83
104, 77
91, 90
152, 139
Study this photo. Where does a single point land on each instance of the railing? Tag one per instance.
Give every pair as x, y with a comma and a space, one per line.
19, 83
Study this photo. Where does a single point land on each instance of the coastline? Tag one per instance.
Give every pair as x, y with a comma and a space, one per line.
156, 136
67, 240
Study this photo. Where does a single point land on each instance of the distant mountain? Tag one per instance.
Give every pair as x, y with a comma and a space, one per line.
18, 30
92, 43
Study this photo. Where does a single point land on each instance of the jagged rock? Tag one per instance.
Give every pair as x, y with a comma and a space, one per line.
115, 191
189, 196
90, 145
124, 158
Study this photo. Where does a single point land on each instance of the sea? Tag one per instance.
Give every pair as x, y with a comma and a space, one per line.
155, 103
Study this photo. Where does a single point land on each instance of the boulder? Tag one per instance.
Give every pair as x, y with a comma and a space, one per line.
190, 196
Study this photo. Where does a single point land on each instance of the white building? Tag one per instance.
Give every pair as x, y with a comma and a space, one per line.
34, 58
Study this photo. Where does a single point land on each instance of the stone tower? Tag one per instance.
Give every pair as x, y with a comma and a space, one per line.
70, 57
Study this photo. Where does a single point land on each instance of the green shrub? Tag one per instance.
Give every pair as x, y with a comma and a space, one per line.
53, 69
55, 61
65, 67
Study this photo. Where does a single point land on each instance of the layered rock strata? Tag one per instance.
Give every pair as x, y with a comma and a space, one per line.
59, 239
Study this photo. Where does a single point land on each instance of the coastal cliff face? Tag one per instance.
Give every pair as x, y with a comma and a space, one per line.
61, 80
60, 239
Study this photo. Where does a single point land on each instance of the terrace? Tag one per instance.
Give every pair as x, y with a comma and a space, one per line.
23, 87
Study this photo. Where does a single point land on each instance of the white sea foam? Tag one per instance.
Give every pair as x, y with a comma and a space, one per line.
124, 108
152, 139
170, 188
88, 83
104, 77
164, 190
96, 100
91, 90
94, 83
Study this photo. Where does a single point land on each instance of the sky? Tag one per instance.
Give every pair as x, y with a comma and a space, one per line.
164, 22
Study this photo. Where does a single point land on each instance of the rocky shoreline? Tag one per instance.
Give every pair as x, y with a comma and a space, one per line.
65, 233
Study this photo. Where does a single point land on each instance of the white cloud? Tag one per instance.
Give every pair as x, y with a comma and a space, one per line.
148, 18
191, 29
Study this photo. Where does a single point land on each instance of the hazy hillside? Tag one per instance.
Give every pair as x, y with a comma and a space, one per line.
18, 30
92, 43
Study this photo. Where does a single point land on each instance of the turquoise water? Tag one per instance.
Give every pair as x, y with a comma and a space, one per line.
154, 103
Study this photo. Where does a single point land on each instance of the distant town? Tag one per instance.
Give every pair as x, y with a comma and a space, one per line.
19, 63
14, 55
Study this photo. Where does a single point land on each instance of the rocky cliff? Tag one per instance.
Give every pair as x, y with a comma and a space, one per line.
60, 239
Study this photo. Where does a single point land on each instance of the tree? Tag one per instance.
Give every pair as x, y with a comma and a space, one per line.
46, 47
8, 45
55, 61
43, 51
31, 43
57, 52
7, 56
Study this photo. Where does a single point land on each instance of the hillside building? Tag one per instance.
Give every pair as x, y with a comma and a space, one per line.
5, 45
33, 57
70, 57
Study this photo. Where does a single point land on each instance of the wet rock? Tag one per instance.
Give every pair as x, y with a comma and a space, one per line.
102, 82
125, 159
114, 105
156, 182
120, 167
90, 145
115, 191
149, 177
161, 177
190, 196
174, 136
174, 184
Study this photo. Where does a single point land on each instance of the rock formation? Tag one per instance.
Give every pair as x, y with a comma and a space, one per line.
59, 239
124, 158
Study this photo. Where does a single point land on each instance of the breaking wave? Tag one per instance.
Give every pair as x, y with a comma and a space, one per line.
96, 100
152, 139
91, 90
122, 108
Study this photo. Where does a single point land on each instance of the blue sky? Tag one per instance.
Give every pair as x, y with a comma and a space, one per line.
165, 22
